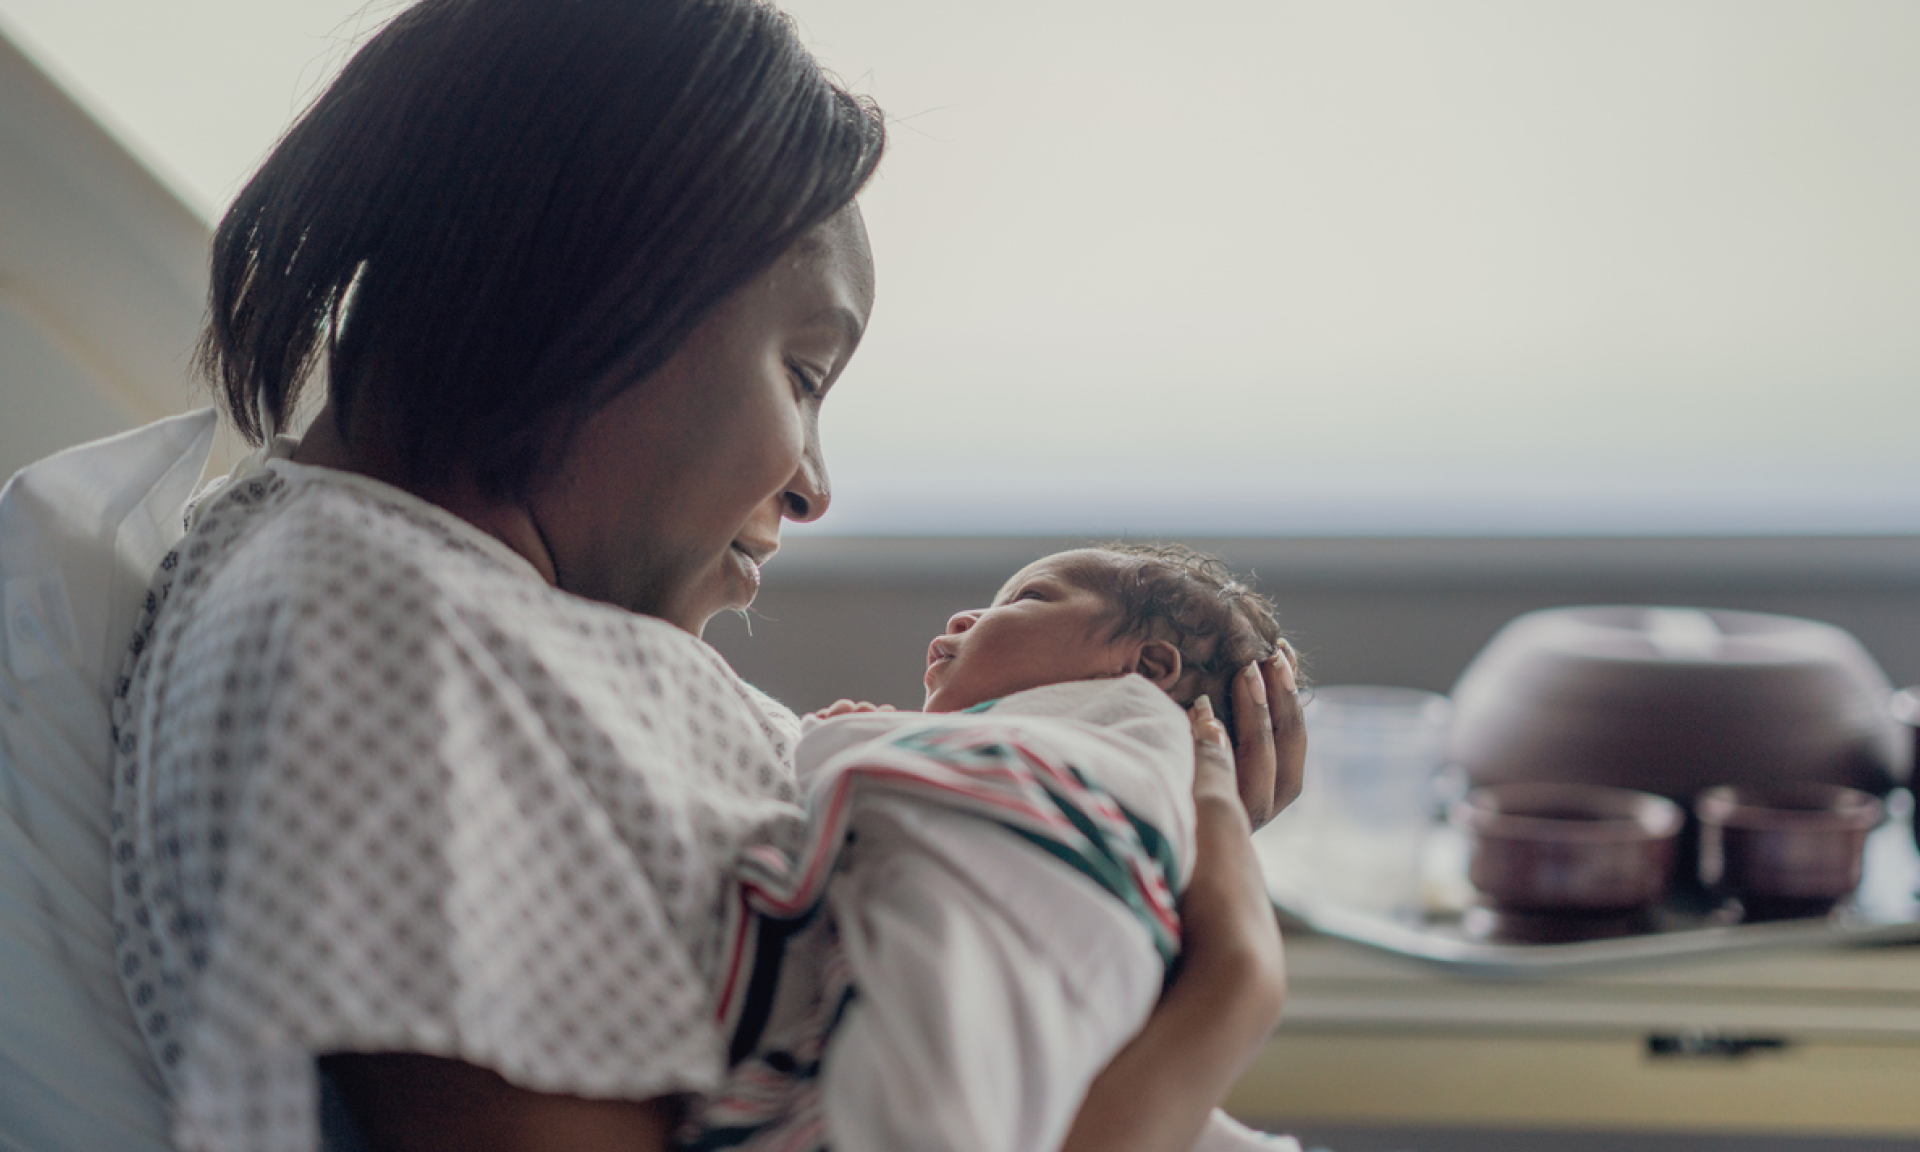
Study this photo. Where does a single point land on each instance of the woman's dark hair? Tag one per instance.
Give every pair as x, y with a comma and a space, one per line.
1193, 601
503, 212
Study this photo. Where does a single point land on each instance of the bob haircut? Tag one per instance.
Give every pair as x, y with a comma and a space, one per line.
505, 212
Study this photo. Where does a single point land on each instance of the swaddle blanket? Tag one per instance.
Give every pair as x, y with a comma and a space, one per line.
979, 913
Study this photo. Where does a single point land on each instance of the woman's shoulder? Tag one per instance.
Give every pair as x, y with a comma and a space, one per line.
314, 548
327, 584
290, 531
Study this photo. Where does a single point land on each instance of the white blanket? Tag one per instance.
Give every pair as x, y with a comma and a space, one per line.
998, 890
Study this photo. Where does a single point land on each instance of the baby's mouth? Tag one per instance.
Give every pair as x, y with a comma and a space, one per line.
937, 652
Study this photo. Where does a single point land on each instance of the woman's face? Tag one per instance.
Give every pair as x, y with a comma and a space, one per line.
671, 498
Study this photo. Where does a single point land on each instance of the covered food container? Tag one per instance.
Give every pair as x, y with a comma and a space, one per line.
1674, 701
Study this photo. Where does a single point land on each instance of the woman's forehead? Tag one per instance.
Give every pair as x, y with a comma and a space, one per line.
834, 260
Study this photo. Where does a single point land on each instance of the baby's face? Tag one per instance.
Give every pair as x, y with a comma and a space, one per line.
1044, 627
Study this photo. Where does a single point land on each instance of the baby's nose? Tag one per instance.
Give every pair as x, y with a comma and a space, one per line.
961, 621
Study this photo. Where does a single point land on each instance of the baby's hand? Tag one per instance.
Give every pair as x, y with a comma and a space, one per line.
847, 707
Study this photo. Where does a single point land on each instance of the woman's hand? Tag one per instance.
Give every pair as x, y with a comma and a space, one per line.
1230, 936
1270, 737
1156, 1094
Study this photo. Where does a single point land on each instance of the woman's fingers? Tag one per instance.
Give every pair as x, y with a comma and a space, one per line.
1252, 708
1213, 769
1272, 749
1287, 725
1286, 668
1256, 759
1206, 726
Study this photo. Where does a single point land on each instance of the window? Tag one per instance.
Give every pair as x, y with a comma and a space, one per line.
1253, 266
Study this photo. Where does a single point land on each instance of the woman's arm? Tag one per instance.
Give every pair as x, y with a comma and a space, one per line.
1156, 1094
403, 1102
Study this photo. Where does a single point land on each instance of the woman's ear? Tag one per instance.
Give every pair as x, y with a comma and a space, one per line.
1159, 661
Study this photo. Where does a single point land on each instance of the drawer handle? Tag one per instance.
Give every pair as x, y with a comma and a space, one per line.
1698, 1045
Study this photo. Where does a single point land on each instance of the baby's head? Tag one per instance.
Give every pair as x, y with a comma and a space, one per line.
1171, 614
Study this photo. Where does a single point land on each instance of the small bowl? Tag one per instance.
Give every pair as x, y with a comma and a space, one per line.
1905, 708
1568, 850
1785, 850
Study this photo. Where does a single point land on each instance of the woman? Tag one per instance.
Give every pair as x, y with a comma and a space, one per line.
424, 778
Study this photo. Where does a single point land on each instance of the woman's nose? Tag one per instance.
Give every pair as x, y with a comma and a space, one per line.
809, 492
961, 621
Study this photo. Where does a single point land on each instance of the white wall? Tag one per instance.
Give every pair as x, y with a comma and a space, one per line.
102, 278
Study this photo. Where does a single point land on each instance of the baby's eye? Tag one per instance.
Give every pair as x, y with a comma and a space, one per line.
1029, 594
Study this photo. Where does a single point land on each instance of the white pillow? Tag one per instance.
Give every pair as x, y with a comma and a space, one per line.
81, 534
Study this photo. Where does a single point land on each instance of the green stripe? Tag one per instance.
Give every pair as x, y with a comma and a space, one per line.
1108, 869
1156, 845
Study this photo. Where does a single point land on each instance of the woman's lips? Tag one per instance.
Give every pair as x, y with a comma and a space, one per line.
748, 567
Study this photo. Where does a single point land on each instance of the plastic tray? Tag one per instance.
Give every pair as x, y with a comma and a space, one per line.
1884, 910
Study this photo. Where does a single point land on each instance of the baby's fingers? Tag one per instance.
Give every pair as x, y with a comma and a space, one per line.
848, 707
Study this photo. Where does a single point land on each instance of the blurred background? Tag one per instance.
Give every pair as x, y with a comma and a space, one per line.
1305, 280
1426, 313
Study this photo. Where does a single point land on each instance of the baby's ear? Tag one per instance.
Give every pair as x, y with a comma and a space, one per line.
1160, 662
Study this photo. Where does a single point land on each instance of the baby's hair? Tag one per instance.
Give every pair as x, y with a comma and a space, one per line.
1192, 600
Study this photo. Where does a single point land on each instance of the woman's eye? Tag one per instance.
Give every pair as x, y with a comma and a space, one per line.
809, 384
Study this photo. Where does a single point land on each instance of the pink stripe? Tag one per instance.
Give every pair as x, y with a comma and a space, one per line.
741, 921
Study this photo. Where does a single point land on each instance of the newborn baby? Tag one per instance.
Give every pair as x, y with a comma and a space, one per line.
1172, 615
982, 906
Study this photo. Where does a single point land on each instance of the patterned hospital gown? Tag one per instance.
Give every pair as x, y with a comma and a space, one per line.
380, 787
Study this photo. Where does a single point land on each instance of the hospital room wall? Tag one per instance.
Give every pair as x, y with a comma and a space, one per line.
102, 276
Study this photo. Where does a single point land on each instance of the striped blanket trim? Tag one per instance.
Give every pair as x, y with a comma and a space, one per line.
772, 1099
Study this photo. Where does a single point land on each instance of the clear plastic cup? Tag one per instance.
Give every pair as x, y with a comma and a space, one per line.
1372, 755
